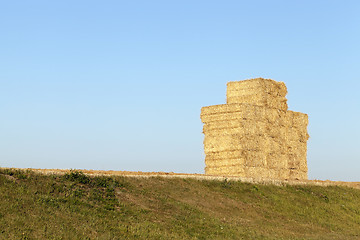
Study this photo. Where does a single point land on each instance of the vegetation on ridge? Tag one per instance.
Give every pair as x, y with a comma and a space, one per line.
76, 206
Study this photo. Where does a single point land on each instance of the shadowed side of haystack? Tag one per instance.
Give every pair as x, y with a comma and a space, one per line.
254, 135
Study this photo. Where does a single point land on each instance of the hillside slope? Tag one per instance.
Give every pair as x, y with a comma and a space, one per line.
76, 206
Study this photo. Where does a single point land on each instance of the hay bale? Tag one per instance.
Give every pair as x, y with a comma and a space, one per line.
254, 158
265, 101
261, 92
224, 162
297, 174
294, 134
297, 161
297, 119
221, 143
237, 126
235, 112
227, 112
260, 85
282, 174
224, 155
259, 172
231, 170
276, 160
243, 110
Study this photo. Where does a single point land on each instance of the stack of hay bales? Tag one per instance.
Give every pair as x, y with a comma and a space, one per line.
254, 135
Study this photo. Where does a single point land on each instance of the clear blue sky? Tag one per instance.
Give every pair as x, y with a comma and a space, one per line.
119, 84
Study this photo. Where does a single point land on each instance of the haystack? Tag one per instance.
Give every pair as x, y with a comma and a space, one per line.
254, 134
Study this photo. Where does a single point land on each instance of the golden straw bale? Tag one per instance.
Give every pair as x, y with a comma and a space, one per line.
276, 117
219, 144
274, 145
224, 162
230, 92
244, 110
297, 165
223, 124
240, 111
229, 112
300, 132
237, 126
276, 131
227, 108
297, 119
262, 92
296, 134
223, 117
300, 119
297, 156
240, 131
282, 174
241, 141
231, 170
251, 143
278, 173
276, 161
297, 161
296, 146
297, 174
224, 155
252, 92
255, 158
263, 85
258, 172
265, 101
236, 92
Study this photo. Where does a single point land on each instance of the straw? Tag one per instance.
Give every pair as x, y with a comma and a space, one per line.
254, 135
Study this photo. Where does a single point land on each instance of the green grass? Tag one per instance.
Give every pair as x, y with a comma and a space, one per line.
76, 206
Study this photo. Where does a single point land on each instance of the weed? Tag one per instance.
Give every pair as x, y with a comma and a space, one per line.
77, 176
225, 183
255, 188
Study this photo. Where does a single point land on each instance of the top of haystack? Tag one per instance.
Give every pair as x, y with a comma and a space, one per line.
262, 84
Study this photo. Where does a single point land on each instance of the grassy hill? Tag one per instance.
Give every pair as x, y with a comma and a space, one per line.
76, 206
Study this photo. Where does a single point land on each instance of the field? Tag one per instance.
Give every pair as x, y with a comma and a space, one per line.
74, 205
